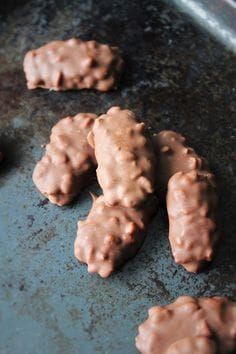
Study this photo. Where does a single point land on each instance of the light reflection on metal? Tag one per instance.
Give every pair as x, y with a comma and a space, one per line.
216, 16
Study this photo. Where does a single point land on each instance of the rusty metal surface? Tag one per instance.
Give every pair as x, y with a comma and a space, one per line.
177, 78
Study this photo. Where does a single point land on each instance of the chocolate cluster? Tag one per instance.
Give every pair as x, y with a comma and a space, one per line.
128, 167
173, 155
116, 225
126, 162
190, 326
73, 64
111, 235
184, 180
192, 205
68, 161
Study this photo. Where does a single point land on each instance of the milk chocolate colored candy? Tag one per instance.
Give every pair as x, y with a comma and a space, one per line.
169, 324
173, 155
125, 158
192, 209
220, 314
69, 160
73, 64
193, 345
190, 326
111, 235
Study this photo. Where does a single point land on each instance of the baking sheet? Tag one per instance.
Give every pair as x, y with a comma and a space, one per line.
216, 16
176, 78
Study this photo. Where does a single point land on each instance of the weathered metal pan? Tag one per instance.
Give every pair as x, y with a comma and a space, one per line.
177, 78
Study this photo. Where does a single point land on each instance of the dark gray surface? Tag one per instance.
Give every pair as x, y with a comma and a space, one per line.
177, 78
216, 16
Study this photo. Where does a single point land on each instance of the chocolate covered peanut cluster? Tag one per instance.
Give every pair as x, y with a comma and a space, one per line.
173, 154
184, 180
126, 162
192, 211
111, 235
189, 326
68, 161
73, 64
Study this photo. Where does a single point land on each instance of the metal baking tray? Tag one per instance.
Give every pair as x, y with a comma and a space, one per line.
218, 17
178, 78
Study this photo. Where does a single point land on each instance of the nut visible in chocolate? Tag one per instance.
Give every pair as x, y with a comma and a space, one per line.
166, 325
190, 326
111, 235
73, 64
173, 155
220, 314
125, 158
191, 206
69, 160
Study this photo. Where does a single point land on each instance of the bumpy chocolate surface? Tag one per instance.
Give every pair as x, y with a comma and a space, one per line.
192, 206
169, 324
190, 326
220, 314
111, 235
173, 155
73, 64
68, 160
125, 158
193, 345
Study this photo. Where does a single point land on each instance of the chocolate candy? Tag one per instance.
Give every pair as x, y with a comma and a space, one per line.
69, 160
220, 314
125, 159
111, 235
73, 64
190, 326
193, 345
191, 207
173, 155
191, 200
169, 324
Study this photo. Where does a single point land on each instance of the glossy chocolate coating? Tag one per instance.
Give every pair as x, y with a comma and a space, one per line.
169, 324
111, 235
73, 64
68, 161
173, 155
125, 158
192, 211
193, 345
190, 326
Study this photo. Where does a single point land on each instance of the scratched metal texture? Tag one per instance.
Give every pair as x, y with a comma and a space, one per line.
177, 78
